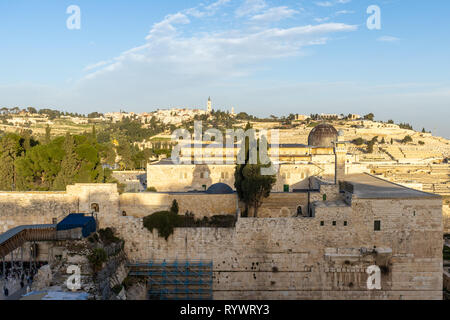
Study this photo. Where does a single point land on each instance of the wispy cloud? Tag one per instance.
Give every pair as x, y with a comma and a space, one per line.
388, 39
250, 7
274, 14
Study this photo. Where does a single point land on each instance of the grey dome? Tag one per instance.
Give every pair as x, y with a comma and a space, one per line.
322, 135
219, 188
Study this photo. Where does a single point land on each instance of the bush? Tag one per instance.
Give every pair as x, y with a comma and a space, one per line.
421, 143
151, 189
107, 236
407, 139
97, 258
359, 141
163, 221
174, 208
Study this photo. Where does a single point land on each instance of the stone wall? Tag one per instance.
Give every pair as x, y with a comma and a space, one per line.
299, 258
181, 178
201, 204
26, 208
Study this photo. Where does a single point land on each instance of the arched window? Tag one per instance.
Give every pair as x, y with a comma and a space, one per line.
299, 211
124, 213
95, 208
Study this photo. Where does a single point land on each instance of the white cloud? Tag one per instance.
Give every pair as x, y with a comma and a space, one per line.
274, 14
325, 4
166, 27
344, 12
388, 39
250, 7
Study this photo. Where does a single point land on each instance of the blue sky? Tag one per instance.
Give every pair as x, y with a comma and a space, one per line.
258, 56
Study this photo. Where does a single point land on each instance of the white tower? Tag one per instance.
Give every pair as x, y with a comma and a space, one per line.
232, 111
209, 109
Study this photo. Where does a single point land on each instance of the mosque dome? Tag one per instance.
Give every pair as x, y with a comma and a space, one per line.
322, 135
219, 188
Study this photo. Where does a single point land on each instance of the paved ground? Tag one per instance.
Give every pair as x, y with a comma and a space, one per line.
15, 292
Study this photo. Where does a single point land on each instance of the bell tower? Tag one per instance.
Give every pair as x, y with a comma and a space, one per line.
340, 153
209, 108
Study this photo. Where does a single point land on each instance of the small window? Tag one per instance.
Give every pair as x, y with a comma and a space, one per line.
286, 188
322, 223
377, 225
334, 223
324, 197
345, 223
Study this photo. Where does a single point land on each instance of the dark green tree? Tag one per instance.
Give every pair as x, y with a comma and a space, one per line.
10, 150
251, 185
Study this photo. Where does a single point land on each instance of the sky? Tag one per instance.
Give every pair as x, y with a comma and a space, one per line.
259, 56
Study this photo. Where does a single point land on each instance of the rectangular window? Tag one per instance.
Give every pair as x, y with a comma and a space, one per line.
345, 223
377, 225
334, 223
322, 223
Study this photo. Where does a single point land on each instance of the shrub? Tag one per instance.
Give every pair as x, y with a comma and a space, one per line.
107, 236
163, 221
359, 141
97, 258
151, 189
174, 208
421, 143
407, 139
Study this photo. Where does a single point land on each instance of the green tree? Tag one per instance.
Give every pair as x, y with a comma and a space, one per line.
69, 164
47, 134
369, 116
174, 208
251, 186
10, 150
370, 145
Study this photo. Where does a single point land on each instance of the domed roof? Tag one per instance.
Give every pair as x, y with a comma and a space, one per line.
219, 188
322, 135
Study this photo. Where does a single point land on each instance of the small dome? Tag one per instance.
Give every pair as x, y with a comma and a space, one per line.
322, 135
219, 188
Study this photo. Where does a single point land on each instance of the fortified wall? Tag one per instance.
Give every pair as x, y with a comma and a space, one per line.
324, 257
282, 257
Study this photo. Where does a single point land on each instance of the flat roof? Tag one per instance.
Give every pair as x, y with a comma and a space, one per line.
366, 186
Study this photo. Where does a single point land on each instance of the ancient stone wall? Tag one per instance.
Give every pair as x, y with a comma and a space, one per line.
27, 208
299, 258
201, 204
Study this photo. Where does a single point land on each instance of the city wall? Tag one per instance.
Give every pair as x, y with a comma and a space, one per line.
276, 258
201, 204
299, 258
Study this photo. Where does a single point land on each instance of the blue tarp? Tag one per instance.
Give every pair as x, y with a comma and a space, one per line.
78, 220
